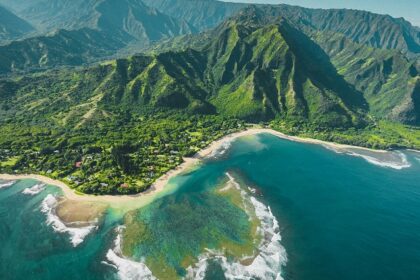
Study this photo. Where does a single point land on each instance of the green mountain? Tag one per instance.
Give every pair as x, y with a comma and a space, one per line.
116, 126
387, 79
62, 48
249, 72
87, 31
12, 27
122, 18
111, 28
379, 31
255, 66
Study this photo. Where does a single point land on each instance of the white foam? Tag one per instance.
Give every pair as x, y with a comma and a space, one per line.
404, 163
271, 254
7, 184
222, 149
397, 160
127, 269
34, 190
77, 235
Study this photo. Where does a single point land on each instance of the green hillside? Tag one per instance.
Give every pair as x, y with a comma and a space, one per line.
117, 126
387, 79
375, 30
78, 32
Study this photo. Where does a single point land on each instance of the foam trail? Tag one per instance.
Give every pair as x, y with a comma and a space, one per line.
395, 160
34, 190
127, 269
77, 235
395, 165
7, 184
271, 254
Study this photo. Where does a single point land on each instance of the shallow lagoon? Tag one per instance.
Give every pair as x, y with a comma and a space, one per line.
340, 217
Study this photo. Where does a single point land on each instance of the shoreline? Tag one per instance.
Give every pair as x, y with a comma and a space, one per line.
114, 201
254, 131
160, 185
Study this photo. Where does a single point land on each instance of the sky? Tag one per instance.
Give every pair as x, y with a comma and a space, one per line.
409, 9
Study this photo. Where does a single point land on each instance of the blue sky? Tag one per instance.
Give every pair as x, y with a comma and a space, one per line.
409, 9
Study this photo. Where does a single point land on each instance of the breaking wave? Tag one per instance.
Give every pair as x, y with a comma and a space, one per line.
222, 149
271, 254
77, 235
127, 269
34, 190
7, 184
392, 159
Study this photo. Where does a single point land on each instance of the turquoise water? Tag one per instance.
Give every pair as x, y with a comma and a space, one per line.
33, 250
340, 217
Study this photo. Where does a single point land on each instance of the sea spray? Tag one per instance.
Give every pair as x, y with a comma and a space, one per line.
7, 184
221, 150
395, 159
271, 254
127, 269
34, 190
77, 235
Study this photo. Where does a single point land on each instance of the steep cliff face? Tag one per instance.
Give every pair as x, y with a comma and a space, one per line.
379, 31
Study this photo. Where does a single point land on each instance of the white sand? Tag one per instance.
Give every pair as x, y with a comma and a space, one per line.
115, 201
120, 201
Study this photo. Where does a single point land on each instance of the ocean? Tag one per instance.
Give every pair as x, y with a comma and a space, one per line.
261, 207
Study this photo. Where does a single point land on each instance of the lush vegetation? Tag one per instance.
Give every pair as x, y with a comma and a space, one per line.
381, 135
80, 32
117, 126
125, 155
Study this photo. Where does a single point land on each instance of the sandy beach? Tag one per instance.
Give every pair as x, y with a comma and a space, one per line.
115, 201
254, 131
122, 201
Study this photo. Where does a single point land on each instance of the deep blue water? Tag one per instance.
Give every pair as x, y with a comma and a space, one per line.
341, 217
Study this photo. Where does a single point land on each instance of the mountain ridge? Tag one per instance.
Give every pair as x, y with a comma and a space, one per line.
376, 30
111, 26
12, 27
130, 26
116, 126
244, 65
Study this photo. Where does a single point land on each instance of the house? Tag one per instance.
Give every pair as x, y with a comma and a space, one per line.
124, 185
78, 164
104, 185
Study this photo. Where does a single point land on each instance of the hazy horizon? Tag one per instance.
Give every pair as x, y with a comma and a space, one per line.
403, 8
